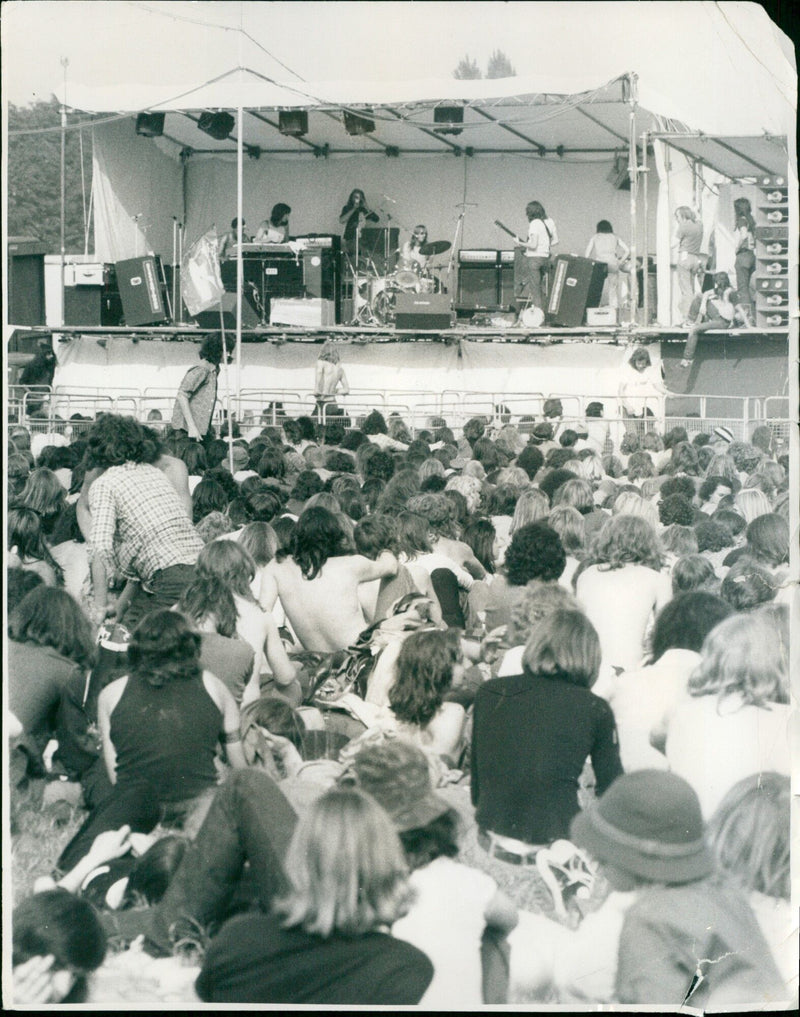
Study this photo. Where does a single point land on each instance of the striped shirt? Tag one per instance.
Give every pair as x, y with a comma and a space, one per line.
139, 525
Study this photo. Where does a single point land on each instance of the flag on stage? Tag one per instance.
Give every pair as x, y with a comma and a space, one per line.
201, 282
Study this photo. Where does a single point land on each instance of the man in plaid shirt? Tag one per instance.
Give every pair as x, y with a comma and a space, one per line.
139, 527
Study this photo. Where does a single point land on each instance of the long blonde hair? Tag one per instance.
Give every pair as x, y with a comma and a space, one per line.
346, 868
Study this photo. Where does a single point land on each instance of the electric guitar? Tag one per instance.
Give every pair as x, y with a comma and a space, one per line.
505, 229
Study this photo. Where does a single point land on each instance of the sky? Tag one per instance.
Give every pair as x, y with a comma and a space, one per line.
174, 42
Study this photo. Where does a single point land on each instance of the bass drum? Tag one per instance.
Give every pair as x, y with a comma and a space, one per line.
406, 281
532, 317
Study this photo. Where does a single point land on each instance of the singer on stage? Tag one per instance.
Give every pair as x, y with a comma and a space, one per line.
351, 216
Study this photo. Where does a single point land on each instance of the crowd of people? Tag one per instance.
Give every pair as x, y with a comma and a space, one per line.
448, 717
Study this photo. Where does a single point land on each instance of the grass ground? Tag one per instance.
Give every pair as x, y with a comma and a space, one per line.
39, 834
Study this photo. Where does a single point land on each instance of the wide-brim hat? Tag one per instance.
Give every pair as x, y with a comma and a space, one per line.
397, 775
725, 433
647, 823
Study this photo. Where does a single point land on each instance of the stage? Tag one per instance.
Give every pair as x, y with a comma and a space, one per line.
457, 373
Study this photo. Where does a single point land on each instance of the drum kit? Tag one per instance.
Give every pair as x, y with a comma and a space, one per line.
375, 295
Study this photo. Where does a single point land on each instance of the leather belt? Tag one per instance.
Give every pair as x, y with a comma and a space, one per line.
487, 840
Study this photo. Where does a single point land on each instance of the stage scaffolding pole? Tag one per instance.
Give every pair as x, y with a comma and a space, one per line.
239, 262
646, 236
633, 171
64, 64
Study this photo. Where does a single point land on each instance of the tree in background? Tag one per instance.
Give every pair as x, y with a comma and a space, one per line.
467, 69
34, 176
500, 66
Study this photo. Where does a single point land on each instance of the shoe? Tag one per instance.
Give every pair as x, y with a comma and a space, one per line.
568, 874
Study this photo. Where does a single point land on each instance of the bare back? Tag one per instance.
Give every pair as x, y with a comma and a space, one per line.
620, 603
325, 612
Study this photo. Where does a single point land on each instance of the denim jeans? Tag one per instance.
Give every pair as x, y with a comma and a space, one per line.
744, 265
249, 821
164, 590
528, 280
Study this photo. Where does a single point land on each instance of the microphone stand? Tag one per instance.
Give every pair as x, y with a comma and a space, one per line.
452, 258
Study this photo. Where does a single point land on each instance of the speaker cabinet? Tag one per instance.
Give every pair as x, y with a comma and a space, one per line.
140, 290
506, 271
423, 311
83, 305
577, 284
478, 286
210, 318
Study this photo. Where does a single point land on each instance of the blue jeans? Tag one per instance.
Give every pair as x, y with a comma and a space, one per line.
528, 279
249, 821
164, 590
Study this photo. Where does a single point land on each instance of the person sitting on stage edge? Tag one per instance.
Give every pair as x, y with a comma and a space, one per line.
275, 230
713, 309
197, 395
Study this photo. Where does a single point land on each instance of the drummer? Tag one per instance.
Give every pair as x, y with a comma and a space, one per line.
411, 257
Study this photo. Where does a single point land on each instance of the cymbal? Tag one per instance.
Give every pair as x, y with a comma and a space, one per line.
435, 247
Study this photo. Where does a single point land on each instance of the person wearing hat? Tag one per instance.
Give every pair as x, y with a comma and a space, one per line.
689, 936
454, 904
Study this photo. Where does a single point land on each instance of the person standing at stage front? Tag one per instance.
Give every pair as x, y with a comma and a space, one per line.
352, 216
688, 239
139, 528
530, 268
197, 395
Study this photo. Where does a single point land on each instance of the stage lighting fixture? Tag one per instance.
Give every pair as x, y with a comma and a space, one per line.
355, 124
150, 125
216, 125
293, 122
449, 115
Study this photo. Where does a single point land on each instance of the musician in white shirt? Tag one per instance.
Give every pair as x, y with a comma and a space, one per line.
529, 269
275, 230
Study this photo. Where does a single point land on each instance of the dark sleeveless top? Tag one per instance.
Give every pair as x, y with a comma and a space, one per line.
167, 736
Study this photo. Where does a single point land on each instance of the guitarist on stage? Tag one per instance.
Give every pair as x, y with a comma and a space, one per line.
534, 262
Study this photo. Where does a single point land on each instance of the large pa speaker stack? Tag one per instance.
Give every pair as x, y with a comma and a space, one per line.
140, 289
577, 284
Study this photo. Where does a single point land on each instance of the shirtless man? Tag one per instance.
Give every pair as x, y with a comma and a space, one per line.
318, 583
329, 377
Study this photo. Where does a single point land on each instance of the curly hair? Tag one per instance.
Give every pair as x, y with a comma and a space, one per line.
380, 464
531, 460
164, 648
640, 466
746, 655
535, 552
745, 457
469, 487
49, 617
539, 600
474, 429
675, 508
424, 674
625, 540
438, 509
317, 536
712, 536
115, 440
306, 484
